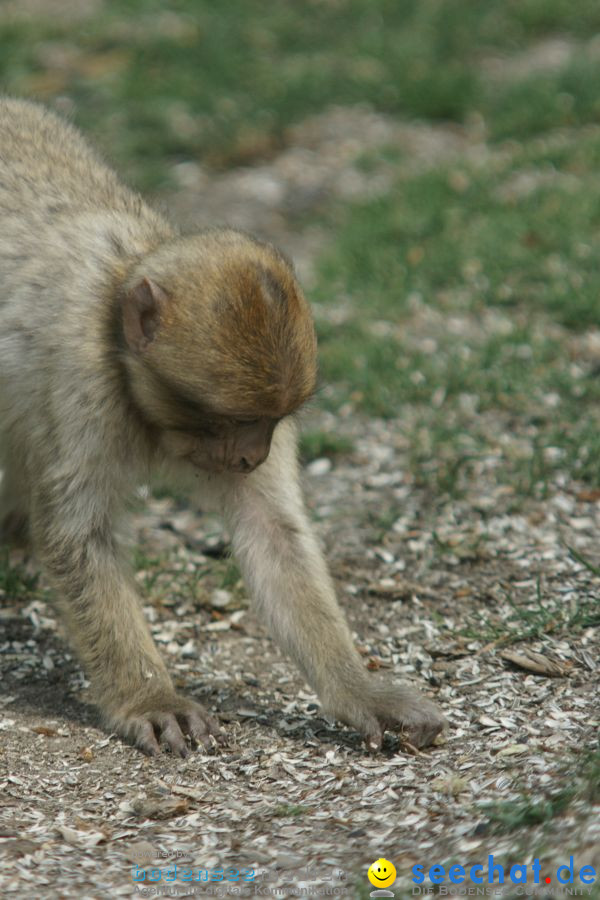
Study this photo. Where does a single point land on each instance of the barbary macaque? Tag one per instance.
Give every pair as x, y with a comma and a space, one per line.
125, 347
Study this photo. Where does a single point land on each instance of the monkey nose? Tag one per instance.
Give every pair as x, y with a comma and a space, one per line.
249, 462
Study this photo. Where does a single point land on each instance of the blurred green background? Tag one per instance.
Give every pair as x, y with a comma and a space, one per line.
156, 81
468, 288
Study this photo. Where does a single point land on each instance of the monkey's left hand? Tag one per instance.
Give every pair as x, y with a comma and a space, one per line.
374, 706
166, 717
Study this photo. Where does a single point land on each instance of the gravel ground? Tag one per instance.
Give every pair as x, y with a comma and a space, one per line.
429, 585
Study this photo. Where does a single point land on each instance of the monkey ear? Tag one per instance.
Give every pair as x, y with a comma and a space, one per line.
143, 307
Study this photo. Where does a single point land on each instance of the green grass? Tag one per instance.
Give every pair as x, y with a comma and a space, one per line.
506, 251
15, 580
517, 814
582, 779
168, 577
527, 618
481, 243
223, 82
290, 809
315, 444
567, 97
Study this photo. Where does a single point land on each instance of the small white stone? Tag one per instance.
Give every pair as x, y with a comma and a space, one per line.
220, 598
319, 466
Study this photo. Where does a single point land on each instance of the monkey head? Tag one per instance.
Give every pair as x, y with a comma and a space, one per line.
219, 345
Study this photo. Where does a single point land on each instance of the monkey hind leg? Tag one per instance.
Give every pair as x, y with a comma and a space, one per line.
14, 513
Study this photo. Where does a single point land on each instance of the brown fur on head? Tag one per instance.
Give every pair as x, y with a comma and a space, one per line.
217, 334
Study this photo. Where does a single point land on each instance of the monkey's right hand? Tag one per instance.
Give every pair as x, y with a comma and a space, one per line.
165, 718
373, 706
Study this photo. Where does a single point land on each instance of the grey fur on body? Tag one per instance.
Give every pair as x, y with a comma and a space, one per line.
74, 438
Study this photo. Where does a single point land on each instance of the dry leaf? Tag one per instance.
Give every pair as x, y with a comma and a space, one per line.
590, 496
18, 847
513, 750
450, 784
81, 839
535, 662
159, 807
200, 795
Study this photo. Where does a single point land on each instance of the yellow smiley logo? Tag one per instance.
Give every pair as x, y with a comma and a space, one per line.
381, 873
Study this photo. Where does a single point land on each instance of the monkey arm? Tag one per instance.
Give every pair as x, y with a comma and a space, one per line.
292, 590
105, 622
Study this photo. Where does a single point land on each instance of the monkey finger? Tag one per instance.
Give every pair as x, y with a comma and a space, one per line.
418, 724
421, 734
171, 734
143, 736
373, 735
202, 728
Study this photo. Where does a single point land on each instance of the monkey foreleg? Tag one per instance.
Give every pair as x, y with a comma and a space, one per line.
293, 592
106, 625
